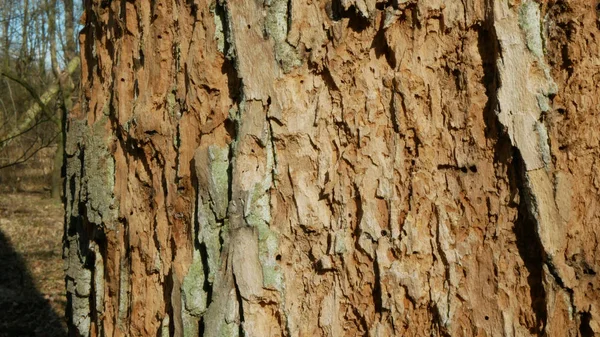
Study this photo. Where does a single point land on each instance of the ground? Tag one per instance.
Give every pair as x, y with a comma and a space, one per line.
32, 294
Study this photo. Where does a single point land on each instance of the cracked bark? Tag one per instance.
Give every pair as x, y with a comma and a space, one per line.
294, 168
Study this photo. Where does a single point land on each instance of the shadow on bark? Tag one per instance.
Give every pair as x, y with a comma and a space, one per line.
530, 249
23, 310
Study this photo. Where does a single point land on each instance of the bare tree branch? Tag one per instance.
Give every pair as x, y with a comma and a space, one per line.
42, 121
31, 115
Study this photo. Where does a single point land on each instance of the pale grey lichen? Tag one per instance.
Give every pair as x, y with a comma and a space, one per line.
99, 279
340, 244
543, 102
219, 33
80, 307
124, 292
172, 105
99, 166
79, 282
91, 171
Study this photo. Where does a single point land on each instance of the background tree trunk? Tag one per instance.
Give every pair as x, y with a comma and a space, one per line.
356, 167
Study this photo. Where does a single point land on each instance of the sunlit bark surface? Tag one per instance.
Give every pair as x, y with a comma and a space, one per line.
335, 168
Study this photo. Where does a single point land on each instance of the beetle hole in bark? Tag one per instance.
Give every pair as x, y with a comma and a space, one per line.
333, 10
230, 128
584, 326
381, 48
357, 22
588, 270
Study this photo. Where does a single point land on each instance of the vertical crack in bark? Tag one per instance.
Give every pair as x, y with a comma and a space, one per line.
240, 300
530, 248
520, 100
531, 252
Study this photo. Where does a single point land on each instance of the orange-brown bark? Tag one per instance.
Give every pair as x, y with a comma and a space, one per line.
298, 168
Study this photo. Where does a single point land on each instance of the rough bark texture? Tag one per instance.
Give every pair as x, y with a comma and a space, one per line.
353, 167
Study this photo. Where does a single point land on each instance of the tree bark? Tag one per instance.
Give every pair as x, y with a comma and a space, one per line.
298, 168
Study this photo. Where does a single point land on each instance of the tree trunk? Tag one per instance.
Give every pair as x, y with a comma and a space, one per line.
57, 183
7, 9
70, 44
300, 168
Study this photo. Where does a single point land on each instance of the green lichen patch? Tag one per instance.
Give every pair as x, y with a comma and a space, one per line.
529, 21
192, 290
268, 242
339, 243
276, 26
172, 104
219, 179
259, 216
164, 330
213, 199
543, 139
208, 234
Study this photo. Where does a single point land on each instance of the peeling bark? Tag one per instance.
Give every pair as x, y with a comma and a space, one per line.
294, 168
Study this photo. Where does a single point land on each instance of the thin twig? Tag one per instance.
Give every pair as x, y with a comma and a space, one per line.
41, 121
24, 157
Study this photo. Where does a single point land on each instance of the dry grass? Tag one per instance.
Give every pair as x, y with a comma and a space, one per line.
32, 293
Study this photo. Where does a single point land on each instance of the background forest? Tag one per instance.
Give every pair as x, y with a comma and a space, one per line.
39, 72
39, 69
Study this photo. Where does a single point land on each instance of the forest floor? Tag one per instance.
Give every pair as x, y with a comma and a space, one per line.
32, 291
